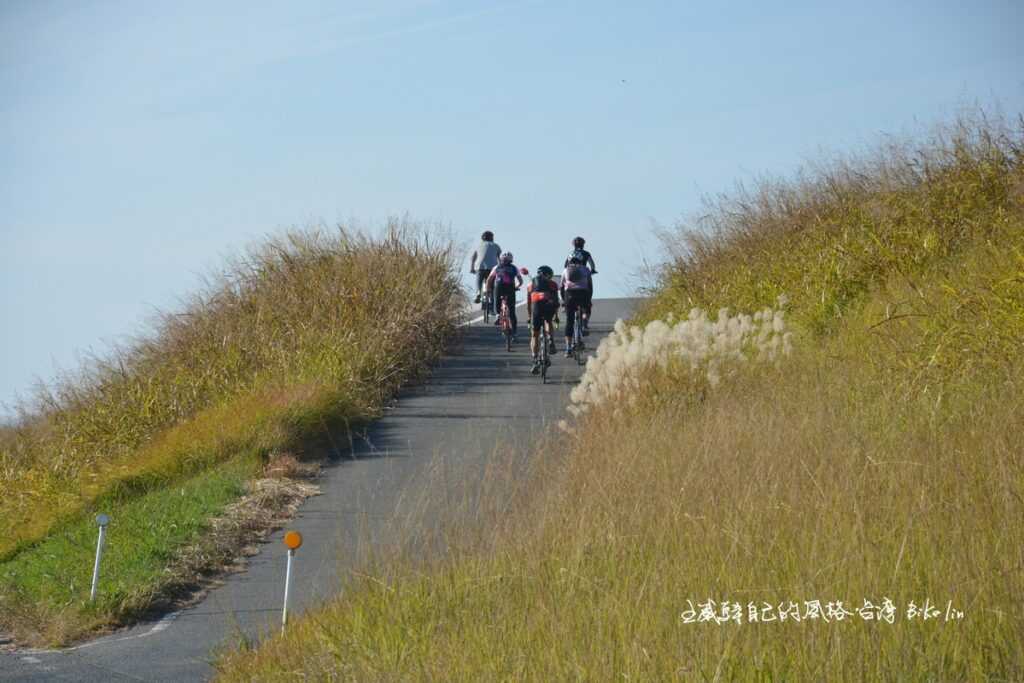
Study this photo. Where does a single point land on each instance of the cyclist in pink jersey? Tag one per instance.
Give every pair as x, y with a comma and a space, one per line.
505, 279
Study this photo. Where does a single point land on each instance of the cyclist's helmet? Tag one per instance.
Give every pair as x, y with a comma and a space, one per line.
506, 258
578, 242
524, 271
546, 271
488, 236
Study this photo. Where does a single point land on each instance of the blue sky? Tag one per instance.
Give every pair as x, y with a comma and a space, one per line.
141, 142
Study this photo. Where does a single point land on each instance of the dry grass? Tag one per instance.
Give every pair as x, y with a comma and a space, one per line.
881, 460
278, 331
785, 485
305, 330
833, 234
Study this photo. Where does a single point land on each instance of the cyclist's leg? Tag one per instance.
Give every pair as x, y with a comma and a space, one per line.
499, 293
536, 321
570, 311
551, 329
586, 307
481, 277
548, 321
509, 297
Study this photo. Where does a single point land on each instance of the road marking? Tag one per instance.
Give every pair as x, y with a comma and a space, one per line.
153, 630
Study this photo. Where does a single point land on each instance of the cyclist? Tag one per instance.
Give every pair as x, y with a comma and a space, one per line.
576, 289
505, 280
587, 260
541, 304
582, 254
487, 254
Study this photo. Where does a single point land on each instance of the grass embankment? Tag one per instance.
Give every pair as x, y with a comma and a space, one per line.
861, 441
307, 330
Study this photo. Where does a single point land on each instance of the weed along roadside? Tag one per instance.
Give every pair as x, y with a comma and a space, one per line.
801, 460
192, 440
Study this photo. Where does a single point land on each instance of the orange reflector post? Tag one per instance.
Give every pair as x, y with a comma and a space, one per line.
293, 539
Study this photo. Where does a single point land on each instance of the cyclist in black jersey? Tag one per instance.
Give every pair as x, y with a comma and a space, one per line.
541, 305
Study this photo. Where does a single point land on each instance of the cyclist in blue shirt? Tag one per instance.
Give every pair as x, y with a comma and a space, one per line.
487, 254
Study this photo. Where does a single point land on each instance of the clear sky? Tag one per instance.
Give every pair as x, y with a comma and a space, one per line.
140, 142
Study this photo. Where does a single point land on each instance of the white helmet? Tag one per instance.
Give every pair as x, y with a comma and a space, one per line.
506, 257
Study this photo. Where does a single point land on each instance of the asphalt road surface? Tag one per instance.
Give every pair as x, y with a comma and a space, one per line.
449, 424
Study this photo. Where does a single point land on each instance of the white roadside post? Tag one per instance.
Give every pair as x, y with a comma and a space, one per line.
103, 520
293, 540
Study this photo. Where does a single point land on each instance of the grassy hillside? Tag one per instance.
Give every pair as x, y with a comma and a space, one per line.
851, 439
303, 331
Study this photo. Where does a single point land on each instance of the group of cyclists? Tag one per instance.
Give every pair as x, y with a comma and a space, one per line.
497, 274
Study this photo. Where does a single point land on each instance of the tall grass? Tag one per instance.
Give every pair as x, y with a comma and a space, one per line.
305, 329
828, 237
881, 460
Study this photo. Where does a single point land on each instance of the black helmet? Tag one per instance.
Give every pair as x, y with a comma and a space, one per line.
578, 242
488, 236
545, 271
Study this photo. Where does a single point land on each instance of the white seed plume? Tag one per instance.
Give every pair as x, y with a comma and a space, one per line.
709, 349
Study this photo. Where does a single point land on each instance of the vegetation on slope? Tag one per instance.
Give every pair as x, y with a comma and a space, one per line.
878, 463
306, 330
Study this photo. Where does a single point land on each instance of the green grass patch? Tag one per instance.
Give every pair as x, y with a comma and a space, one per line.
142, 538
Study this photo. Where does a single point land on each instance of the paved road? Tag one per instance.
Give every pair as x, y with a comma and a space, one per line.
446, 427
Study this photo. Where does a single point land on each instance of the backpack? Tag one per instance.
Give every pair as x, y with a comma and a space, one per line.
504, 276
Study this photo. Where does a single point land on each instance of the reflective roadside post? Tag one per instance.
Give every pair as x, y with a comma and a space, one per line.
293, 540
102, 520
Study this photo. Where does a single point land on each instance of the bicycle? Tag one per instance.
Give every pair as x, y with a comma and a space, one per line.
505, 320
